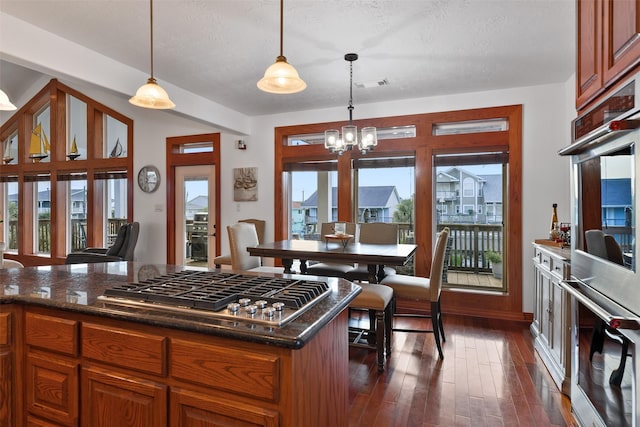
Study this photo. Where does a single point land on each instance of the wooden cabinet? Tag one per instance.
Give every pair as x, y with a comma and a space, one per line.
552, 314
7, 392
114, 399
89, 371
608, 45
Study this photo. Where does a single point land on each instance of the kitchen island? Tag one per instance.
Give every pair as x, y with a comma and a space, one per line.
68, 358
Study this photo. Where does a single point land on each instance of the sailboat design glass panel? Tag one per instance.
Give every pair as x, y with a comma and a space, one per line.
76, 146
39, 145
115, 138
10, 149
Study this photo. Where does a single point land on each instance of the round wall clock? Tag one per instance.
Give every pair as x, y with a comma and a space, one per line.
149, 179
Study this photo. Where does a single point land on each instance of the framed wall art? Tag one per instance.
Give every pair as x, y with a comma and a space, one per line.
245, 184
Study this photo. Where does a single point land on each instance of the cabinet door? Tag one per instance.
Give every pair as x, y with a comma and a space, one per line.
557, 338
621, 45
546, 316
6, 389
111, 399
190, 409
537, 297
51, 386
589, 79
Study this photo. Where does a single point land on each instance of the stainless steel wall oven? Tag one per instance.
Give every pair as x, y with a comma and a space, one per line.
605, 285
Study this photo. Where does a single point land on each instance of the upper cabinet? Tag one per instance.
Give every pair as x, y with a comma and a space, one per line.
608, 45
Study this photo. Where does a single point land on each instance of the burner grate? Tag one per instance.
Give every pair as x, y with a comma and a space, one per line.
213, 290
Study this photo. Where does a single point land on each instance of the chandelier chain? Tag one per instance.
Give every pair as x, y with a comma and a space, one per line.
151, 32
350, 107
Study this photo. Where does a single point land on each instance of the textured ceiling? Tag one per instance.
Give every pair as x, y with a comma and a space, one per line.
220, 48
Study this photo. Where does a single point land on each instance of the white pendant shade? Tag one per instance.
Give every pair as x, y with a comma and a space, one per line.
5, 104
151, 95
281, 78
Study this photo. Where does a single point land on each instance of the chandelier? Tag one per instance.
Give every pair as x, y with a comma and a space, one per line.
368, 137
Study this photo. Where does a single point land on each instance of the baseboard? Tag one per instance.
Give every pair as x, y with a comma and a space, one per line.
422, 307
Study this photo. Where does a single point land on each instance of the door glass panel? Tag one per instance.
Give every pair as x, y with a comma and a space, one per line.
469, 200
195, 224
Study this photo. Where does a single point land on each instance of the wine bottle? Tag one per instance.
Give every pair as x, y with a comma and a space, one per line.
553, 234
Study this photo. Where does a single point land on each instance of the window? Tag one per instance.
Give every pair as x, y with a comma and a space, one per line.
68, 182
472, 137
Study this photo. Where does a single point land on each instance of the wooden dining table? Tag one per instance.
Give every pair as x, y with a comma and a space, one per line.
375, 256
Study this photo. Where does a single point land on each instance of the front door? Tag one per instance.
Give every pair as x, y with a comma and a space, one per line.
195, 227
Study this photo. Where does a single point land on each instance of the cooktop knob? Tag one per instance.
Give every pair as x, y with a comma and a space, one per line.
269, 312
261, 304
233, 307
279, 306
251, 309
244, 302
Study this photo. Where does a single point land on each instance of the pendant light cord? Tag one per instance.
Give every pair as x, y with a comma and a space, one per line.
281, 25
151, 33
350, 107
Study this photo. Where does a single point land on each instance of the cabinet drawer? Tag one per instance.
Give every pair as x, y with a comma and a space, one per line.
237, 371
52, 387
5, 328
52, 333
119, 347
545, 260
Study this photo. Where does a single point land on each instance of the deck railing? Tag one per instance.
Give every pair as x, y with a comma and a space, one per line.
470, 244
78, 234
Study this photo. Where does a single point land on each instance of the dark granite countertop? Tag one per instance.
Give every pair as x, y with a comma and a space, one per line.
76, 288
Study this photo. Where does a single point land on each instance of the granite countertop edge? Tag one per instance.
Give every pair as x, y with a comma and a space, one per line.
294, 334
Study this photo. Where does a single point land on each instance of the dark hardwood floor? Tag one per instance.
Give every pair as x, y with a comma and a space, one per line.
490, 376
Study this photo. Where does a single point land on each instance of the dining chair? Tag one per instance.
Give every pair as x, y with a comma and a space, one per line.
377, 233
9, 263
378, 301
241, 236
333, 269
260, 226
423, 289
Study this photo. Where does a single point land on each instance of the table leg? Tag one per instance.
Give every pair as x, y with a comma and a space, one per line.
287, 263
381, 273
371, 268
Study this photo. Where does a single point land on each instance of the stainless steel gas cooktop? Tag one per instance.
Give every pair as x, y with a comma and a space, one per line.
258, 299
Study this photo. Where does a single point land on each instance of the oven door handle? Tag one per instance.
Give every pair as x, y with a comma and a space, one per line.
613, 321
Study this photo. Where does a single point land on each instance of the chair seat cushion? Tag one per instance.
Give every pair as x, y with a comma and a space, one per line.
374, 297
409, 287
361, 273
328, 269
222, 260
267, 269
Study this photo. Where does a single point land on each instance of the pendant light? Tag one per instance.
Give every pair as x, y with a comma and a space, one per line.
368, 137
151, 95
281, 77
5, 104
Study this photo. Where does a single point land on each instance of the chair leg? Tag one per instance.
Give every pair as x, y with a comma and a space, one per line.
616, 376
380, 338
435, 313
388, 329
597, 338
440, 322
